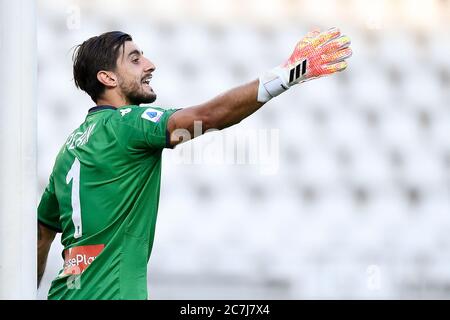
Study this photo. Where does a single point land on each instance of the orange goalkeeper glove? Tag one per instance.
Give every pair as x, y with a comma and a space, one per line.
318, 54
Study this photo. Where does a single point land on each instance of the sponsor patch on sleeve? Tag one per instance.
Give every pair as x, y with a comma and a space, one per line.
152, 115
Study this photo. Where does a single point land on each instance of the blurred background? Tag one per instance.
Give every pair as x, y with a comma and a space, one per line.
338, 189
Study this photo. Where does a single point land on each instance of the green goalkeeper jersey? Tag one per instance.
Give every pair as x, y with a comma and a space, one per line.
103, 197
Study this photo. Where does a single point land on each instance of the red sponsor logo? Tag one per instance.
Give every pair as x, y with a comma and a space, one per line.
77, 259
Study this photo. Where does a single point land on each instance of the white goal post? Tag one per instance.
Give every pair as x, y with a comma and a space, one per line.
18, 140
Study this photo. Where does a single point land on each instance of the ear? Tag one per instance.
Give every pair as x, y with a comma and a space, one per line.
107, 78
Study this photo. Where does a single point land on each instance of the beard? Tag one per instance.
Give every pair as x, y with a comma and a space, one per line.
135, 93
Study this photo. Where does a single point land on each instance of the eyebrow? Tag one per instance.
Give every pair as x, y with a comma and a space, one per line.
135, 51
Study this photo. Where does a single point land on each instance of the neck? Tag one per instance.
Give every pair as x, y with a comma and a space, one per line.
112, 99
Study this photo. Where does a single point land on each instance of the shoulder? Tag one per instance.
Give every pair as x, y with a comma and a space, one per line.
147, 124
139, 113
143, 117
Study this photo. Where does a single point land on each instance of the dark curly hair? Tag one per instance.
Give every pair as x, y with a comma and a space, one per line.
96, 54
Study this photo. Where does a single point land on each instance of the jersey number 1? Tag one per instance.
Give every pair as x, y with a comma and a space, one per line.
74, 176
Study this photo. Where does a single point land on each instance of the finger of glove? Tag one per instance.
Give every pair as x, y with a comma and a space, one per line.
327, 36
313, 33
336, 44
337, 56
309, 38
332, 68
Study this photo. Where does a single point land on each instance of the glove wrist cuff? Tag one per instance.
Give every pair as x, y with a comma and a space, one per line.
271, 84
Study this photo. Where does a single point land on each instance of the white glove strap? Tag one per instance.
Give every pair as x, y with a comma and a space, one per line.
271, 85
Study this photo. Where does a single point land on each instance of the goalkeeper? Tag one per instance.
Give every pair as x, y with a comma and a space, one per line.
104, 189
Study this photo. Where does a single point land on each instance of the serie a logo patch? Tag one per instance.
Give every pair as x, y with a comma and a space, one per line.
152, 115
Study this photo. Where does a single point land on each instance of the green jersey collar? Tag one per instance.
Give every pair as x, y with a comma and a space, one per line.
101, 107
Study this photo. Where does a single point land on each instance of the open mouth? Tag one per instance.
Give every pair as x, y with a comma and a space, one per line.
146, 80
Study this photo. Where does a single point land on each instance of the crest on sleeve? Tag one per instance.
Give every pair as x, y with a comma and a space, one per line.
152, 115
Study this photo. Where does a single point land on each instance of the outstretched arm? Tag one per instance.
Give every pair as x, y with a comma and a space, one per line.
45, 239
316, 55
221, 112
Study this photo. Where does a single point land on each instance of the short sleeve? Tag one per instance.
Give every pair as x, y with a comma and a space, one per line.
48, 210
153, 122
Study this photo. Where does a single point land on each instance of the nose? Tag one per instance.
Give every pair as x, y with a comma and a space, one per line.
149, 66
